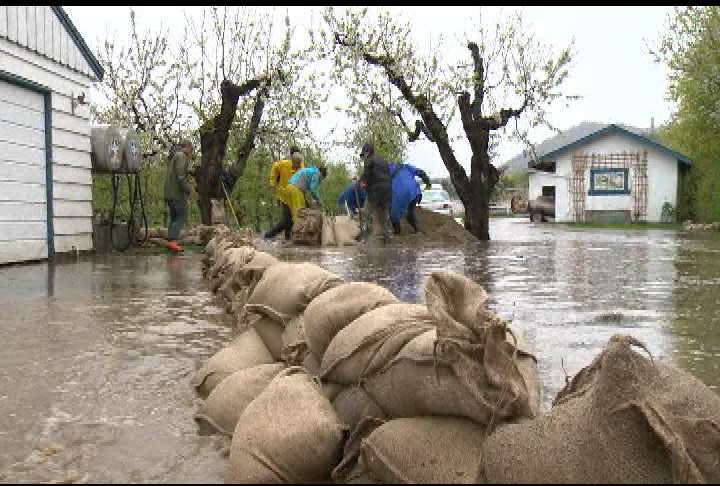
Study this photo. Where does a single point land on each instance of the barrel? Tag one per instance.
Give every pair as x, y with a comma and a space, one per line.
105, 148
130, 150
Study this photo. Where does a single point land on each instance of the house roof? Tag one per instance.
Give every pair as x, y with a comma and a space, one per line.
584, 133
79, 42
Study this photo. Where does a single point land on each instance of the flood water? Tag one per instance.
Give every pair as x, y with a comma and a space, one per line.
96, 354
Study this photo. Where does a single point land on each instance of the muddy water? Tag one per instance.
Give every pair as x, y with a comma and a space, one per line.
97, 354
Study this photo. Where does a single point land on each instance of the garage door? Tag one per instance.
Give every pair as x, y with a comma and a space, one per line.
23, 197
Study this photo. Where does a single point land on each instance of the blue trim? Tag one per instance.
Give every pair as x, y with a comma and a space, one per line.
47, 98
605, 192
620, 129
79, 42
49, 175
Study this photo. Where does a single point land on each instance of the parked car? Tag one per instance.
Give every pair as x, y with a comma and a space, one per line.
437, 200
541, 208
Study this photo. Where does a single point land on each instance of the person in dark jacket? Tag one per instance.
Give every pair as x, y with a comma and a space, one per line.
406, 193
377, 182
177, 190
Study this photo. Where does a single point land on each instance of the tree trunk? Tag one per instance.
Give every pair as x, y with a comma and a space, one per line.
213, 144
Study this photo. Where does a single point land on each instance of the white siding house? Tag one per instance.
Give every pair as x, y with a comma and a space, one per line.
606, 173
46, 72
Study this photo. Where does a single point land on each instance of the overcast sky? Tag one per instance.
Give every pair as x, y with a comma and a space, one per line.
612, 69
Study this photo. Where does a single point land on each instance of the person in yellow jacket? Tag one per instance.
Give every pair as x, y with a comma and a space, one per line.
280, 173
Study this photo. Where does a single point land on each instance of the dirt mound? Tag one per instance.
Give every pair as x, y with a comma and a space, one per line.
434, 228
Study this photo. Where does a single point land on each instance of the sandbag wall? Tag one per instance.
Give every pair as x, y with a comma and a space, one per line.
334, 381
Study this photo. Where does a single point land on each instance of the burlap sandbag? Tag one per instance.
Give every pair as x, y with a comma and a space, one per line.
345, 230
286, 289
474, 343
424, 450
223, 407
367, 344
288, 434
415, 383
246, 279
307, 228
327, 235
352, 404
228, 262
245, 351
334, 309
271, 334
622, 419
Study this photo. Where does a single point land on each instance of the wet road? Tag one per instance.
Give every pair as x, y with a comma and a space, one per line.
97, 354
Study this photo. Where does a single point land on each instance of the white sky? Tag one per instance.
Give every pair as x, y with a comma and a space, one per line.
612, 69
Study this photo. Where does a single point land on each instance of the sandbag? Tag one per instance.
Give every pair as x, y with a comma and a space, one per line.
352, 404
346, 230
327, 234
271, 334
228, 400
424, 450
367, 344
294, 343
286, 289
307, 228
339, 231
473, 341
622, 419
245, 351
414, 384
288, 434
334, 309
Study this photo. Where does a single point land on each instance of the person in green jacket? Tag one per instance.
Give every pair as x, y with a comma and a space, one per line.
177, 190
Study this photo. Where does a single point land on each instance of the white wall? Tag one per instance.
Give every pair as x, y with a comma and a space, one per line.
72, 180
662, 178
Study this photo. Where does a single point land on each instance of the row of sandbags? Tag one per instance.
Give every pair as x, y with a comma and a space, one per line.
339, 381
326, 374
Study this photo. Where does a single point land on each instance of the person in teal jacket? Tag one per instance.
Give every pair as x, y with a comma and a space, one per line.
406, 193
304, 183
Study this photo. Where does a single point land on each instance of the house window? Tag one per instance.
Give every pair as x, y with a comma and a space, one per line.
608, 181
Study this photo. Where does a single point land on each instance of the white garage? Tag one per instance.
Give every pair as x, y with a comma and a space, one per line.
46, 72
23, 187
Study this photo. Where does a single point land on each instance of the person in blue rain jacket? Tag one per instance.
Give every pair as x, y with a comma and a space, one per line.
354, 196
406, 193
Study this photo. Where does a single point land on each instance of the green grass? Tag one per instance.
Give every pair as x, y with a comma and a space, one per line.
641, 226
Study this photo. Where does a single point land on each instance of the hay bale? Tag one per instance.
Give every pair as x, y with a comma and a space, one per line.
288, 434
245, 351
228, 400
622, 419
334, 309
367, 344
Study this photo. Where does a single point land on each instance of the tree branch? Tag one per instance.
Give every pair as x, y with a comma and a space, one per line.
502, 119
478, 80
421, 104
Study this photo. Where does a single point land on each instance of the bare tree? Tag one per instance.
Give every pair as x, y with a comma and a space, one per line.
506, 68
233, 80
144, 88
